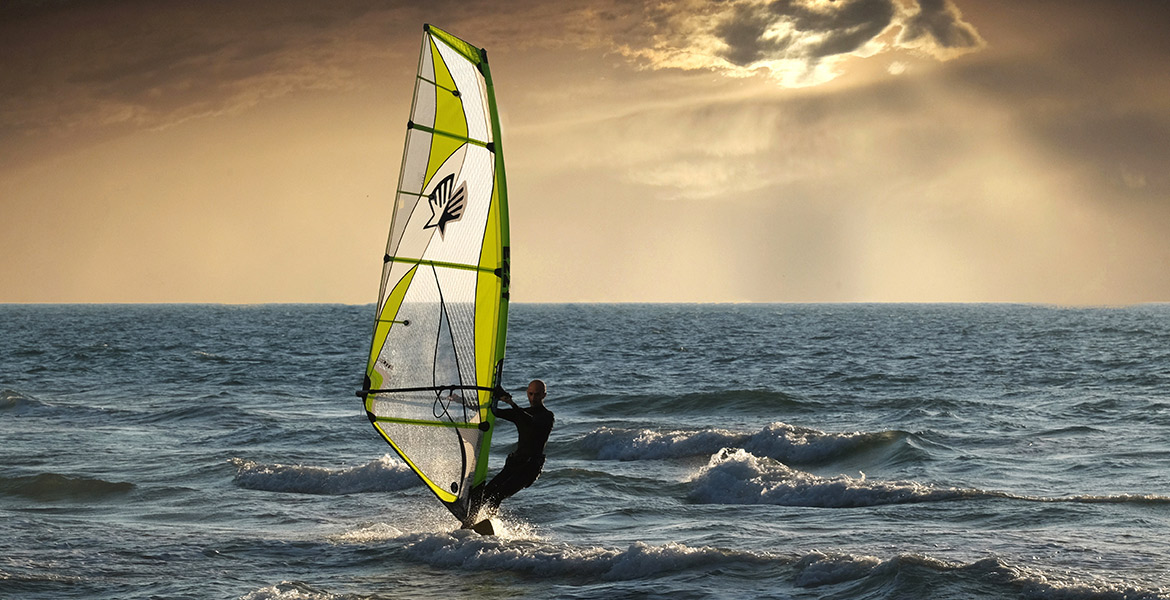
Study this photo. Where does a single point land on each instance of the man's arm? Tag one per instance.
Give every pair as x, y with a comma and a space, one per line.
510, 414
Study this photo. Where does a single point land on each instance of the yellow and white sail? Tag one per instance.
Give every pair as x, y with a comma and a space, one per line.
442, 312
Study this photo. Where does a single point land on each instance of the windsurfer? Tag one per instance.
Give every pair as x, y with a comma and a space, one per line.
533, 425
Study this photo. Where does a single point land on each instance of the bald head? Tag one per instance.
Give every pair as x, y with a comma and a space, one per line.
536, 393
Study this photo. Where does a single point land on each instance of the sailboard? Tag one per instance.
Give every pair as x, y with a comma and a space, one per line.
442, 312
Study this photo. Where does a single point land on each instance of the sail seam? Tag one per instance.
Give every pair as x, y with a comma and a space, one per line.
427, 423
453, 136
438, 263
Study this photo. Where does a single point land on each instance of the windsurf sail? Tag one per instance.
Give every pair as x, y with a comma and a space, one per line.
442, 311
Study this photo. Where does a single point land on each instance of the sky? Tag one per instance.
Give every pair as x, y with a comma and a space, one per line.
685, 151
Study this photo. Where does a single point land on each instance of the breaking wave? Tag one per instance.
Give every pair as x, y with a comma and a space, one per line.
835, 574
740, 477
781, 441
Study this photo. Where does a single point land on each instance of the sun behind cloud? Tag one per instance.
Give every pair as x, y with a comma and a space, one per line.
797, 43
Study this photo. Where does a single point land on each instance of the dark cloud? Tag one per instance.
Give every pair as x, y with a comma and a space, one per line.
743, 32
940, 22
782, 29
846, 27
91, 64
838, 28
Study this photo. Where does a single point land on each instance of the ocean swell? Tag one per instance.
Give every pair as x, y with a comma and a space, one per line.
385, 474
52, 486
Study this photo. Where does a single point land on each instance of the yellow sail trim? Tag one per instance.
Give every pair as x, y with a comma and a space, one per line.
468, 51
487, 299
385, 322
449, 116
443, 494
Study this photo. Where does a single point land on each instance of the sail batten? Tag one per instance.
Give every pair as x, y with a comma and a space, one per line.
441, 318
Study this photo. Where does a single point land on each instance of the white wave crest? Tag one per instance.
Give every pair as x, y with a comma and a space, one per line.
289, 590
780, 441
739, 477
385, 474
647, 444
464, 550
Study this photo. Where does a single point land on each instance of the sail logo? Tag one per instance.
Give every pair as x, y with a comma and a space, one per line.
447, 204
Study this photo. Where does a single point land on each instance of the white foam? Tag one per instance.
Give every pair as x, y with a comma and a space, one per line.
739, 477
470, 551
792, 444
781, 441
289, 590
385, 474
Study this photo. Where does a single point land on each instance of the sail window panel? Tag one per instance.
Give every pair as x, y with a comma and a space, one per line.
396, 280
414, 161
408, 406
424, 103
410, 349
426, 66
407, 204
458, 290
469, 82
414, 164
437, 452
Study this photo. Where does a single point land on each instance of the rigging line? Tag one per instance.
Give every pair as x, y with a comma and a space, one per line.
443, 317
440, 86
438, 263
462, 138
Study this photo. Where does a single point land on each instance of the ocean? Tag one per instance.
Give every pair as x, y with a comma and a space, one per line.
701, 451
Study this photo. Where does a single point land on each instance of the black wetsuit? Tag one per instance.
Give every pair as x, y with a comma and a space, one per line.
533, 425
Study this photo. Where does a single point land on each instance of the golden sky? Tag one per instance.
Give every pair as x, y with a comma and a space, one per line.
694, 151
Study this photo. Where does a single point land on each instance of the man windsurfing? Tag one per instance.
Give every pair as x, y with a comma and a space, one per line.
533, 425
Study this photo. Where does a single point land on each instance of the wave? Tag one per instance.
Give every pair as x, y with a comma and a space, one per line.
837, 574
728, 401
466, 550
783, 442
53, 487
906, 575
16, 401
385, 474
740, 477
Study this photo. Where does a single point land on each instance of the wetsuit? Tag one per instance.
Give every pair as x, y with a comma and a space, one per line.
533, 425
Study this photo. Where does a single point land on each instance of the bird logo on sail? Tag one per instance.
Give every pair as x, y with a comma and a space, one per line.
447, 203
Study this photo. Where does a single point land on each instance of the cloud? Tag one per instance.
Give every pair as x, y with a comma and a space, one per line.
939, 28
71, 66
797, 42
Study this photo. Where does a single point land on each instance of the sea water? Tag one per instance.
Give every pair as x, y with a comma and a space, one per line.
700, 451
